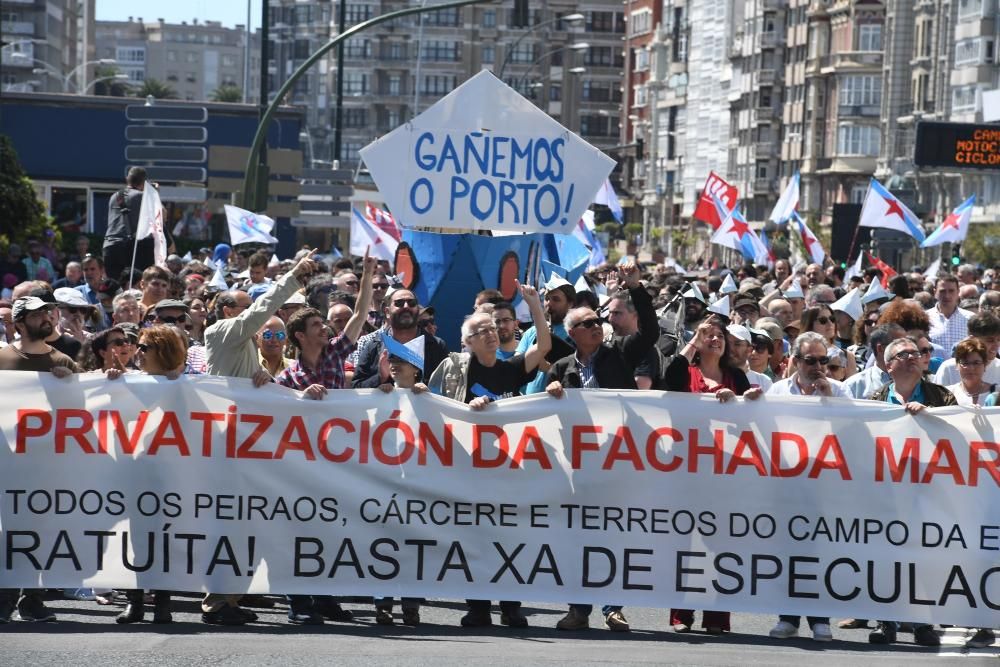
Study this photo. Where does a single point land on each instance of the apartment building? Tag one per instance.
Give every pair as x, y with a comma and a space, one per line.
641, 120
47, 45
193, 58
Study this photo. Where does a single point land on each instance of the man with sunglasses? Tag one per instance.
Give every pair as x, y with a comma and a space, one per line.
402, 313
600, 365
271, 346
908, 388
809, 355
376, 318
865, 383
174, 314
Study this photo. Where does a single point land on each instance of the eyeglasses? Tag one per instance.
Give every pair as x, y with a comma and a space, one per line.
118, 342
409, 303
970, 363
273, 335
812, 361
171, 319
906, 354
588, 323
502, 320
823, 319
482, 331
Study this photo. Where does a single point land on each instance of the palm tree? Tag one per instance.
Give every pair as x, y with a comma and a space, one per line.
111, 87
157, 89
227, 93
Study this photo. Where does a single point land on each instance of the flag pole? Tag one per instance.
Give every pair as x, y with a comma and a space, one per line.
854, 238
135, 249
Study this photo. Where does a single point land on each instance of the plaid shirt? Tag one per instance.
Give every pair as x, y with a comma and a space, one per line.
329, 372
949, 331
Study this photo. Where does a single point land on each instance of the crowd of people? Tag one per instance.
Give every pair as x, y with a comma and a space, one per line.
315, 327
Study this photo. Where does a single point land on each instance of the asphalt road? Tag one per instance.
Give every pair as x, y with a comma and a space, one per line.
87, 634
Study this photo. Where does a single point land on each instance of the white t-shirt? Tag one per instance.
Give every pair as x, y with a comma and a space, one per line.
789, 387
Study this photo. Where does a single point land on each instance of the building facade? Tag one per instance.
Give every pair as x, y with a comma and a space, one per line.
47, 45
195, 59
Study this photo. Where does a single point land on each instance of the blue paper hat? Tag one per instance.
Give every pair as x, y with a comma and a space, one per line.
412, 352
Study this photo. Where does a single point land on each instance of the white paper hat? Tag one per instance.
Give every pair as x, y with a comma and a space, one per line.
795, 291
729, 285
694, 293
555, 282
739, 332
875, 292
850, 303
411, 352
720, 307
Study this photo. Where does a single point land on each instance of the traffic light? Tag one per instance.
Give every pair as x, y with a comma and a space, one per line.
956, 254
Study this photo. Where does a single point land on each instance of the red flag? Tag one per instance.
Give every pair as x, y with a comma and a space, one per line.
887, 271
706, 210
383, 220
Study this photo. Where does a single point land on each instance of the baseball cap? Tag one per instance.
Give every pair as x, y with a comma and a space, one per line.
68, 296
28, 304
170, 303
745, 300
739, 332
298, 298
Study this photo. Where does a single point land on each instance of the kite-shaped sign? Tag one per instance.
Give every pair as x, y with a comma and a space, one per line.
484, 157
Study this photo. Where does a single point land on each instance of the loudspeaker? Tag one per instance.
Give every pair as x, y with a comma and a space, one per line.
842, 232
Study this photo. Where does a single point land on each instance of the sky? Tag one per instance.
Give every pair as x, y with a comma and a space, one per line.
230, 12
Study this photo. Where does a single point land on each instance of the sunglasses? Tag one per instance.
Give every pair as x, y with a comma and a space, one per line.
906, 354
760, 347
379, 286
823, 319
170, 319
926, 351
273, 335
870, 323
142, 346
588, 323
76, 310
425, 322
409, 303
812, 361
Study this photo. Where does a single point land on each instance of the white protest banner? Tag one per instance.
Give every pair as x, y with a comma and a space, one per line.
484, 157
798, 506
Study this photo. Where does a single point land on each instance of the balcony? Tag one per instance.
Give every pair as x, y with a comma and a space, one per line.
23, 59
17, 28
854, 60
767, 40
762, 186
763, 77
865, 111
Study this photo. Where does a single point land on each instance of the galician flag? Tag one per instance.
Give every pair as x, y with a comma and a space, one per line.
584, 232
788, 202
247, 227
151, 223
735, 233
955, 226
606, 196
383, 220
809, 240
366, 235
883, 209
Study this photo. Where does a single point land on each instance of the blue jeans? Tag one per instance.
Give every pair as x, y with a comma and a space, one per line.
585, 609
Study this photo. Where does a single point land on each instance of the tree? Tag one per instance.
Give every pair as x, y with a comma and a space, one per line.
157, 89
982, 244
23, 214
612, 229
227, 93
111, 88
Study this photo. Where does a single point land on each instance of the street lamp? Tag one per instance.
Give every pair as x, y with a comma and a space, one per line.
55, 71
576, 46
569, 18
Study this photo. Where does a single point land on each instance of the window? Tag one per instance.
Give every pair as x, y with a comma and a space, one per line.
355, 83
858, 140
439, 50
523, 53
604, 56
488, 54
555, 92
870, 37
349, 151
973, 9
131, 55
641, 96
437, 84
641, 21
355, 117
228, 60
858, 193
171, 56
605, 22
357, 48
964, 99
357, 13
442, 17
191, 57
394, 87
976, 51
861, 90
641, 60
490, 18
